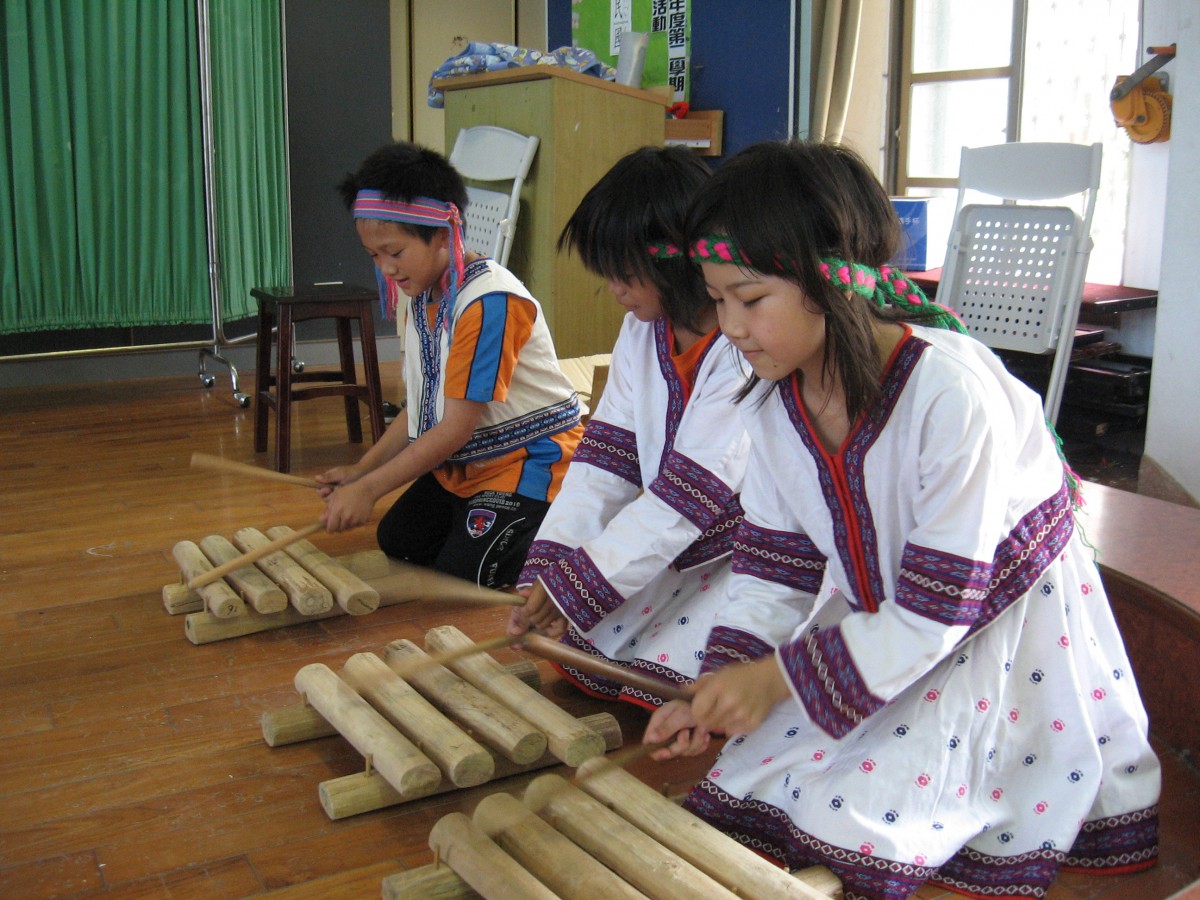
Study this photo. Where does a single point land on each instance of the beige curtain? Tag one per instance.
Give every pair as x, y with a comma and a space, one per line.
834, 55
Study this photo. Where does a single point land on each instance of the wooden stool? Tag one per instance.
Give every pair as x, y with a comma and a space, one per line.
279, 308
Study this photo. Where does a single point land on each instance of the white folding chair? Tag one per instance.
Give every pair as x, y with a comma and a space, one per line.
1014, 271
491, 154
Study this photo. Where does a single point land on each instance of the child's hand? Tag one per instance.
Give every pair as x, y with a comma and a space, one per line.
538, 613
675, 718
348, 506
737, 698
335, 477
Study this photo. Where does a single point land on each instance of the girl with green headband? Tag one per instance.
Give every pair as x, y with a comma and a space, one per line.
629, 562
949, 698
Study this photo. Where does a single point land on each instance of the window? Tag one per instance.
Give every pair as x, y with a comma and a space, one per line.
972, 74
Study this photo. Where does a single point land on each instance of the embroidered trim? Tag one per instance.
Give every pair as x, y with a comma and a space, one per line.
610, 448
714, 543
541, 556
827, 681
792, 560
732, 645
508, 436
692, 491
581, 589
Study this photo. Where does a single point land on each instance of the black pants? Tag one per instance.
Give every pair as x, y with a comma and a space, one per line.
484, 538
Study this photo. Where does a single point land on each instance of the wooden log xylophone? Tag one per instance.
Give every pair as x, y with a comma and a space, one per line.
299, 583
616, 838
447, 727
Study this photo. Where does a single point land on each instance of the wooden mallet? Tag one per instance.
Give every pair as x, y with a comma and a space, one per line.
217, 464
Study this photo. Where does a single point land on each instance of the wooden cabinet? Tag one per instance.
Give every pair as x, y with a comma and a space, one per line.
585, 124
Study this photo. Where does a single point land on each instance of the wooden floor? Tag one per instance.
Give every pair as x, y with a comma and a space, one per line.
131, 761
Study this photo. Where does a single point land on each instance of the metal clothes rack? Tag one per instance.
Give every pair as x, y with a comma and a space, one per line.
220, 340
212, 347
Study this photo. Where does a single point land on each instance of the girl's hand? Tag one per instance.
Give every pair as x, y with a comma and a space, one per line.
737, 698
348, 506
538, 613
675, 718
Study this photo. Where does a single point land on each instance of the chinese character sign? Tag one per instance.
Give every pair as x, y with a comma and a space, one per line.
597, 25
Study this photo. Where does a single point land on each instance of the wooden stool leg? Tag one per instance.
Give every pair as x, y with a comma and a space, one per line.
283, 391
262, 377
349, 376
366, 333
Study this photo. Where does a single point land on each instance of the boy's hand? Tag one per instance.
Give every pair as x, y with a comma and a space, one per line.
335, 477
348, 506
538, 613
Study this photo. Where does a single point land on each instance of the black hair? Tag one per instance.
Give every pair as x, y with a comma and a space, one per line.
403, 171
786, 204
643, 199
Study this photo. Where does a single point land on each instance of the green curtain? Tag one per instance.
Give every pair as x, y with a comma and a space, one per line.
249, 136
102, 205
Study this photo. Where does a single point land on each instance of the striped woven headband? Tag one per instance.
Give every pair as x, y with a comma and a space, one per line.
371, 204
665, 250
883, 286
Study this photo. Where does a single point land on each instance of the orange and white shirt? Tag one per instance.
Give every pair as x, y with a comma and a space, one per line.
493, 347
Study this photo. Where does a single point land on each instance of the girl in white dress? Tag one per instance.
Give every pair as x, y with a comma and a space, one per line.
958, 706
630, 562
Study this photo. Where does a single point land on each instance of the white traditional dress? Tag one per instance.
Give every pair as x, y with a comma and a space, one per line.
635, 549
963, 709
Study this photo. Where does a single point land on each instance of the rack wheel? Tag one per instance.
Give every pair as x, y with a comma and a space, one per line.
297, 366
243, 400
207, 380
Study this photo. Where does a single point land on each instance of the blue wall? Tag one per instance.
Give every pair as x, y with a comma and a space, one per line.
740, 53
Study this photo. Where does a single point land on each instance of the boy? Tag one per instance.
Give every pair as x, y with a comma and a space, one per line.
492, 421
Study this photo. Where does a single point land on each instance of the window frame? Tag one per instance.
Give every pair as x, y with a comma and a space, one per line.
900, 102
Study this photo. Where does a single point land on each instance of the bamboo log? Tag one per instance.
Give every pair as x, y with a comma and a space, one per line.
300, 722
481, 864
219, 598
545, 853
620, 845
405, 767
494, 723
263, 595
307, 595
460, 757
567, 740
369, 565
401, 583
360, 792
561, 653
352, 594
736, 867
432, 882
254, 555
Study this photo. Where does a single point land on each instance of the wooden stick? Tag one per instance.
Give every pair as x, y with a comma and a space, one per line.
419, 664
617, 760
217, 464
254, 555
561, 653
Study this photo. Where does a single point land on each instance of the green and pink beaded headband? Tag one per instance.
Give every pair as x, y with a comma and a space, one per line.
884, 286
